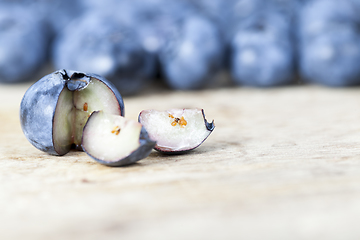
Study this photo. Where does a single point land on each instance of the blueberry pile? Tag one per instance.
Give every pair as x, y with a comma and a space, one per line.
188, 43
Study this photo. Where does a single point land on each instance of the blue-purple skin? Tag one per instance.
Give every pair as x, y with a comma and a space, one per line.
262, 51
23, 44
37, 108
102, 43
330, 42
145, 148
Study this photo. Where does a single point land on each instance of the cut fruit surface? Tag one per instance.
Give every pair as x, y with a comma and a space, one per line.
95, 97
176, 130
114, 140
74, 108
54, 110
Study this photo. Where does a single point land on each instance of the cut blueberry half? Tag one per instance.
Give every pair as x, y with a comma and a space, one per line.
55, 109
176, 130
114, 140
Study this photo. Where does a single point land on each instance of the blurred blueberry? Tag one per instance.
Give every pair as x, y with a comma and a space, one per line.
262, 51
193, 56
287, 8
90, 5
329, 34
230, 13
55, 13
100, 43
59, 13
259, 37
214, 9
189, 45
23, 44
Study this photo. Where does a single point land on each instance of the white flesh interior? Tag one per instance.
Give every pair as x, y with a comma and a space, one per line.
102, 141
71, 113
158, 124
98, 97
62, 131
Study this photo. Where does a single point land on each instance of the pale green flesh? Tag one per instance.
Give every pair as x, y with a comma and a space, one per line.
62, 122
71, 114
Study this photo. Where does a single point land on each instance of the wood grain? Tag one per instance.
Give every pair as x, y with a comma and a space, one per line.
282, 163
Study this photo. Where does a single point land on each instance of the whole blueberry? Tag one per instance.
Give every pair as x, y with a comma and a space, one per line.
102, 43
187, 44
262, 51
329, 39
232, 13
55, 14
193, 55
191, 47
23, 44
54, 110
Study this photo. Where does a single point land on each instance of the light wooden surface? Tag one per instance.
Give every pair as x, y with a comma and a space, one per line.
282, 163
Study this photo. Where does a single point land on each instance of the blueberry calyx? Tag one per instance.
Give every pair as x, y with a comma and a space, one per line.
77, 81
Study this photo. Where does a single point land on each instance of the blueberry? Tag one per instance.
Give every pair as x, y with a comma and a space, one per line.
56, 14
23, 44
114, 140
262, 51
259, 38
329, 36
176, 130
235, 12
102, 43
192, 48
193, 55
55, 109
228, 14
188, 45
214, 9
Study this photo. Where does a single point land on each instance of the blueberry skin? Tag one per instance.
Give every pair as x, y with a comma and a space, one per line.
330, 42
102, 43
262, 51
37, 108
23, 44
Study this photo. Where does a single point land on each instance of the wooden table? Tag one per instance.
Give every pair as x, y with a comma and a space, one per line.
282, 163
